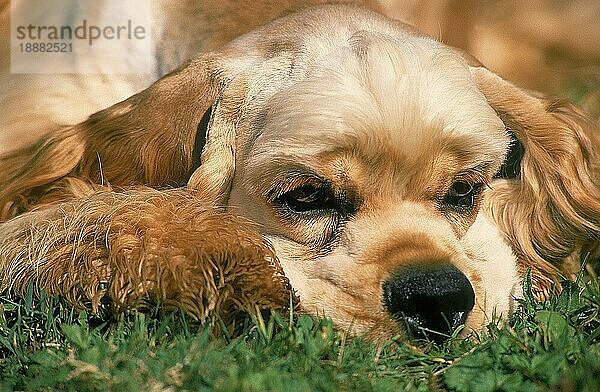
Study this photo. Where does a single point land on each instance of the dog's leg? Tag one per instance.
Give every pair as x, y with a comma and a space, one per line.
140, 248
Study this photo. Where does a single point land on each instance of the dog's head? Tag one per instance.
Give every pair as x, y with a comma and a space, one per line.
366, 170
401, 184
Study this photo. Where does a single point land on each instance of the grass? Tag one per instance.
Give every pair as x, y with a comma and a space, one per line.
45, 345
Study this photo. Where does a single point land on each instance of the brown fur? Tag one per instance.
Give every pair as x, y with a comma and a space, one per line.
552, 215
88, 214
141, 248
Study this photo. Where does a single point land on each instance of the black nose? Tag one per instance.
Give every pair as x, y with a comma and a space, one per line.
431, 300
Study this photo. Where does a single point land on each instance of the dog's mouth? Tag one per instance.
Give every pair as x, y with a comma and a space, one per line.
430, 301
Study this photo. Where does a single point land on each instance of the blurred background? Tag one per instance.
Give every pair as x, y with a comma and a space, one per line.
548, 45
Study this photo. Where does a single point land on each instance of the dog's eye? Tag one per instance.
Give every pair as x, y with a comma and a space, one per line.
308, 198
462, 196
460, 189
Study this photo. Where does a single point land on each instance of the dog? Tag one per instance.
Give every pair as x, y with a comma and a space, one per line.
391, 182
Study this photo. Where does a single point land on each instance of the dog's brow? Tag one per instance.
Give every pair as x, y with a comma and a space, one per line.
287, 180
479, 172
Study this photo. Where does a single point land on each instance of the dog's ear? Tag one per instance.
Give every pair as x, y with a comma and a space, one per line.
216, 166
548, 204
150, 137
155, 138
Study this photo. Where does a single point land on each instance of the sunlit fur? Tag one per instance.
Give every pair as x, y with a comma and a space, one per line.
399, 120
110, 251
335, 94
558, 200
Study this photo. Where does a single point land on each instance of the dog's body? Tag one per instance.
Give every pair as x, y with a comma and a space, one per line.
382, 167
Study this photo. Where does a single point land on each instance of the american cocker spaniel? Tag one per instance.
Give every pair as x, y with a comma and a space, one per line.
332, 156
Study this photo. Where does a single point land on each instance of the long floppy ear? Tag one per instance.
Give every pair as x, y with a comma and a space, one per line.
216, 166
147, 139
548, 204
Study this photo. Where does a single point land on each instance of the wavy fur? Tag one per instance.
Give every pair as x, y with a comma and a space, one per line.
115, 212
551, 214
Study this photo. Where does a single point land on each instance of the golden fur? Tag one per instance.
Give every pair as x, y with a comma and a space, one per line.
336, 107
111, 250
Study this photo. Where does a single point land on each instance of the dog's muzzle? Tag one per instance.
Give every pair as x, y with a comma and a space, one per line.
430, 300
